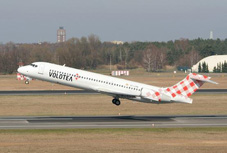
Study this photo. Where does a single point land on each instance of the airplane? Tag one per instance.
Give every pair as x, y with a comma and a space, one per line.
116, 87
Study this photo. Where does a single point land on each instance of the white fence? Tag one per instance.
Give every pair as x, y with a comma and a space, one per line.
119, 73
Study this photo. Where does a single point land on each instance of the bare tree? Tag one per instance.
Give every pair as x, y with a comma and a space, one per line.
154, 58
162, 57
189, 59
194, 56
151, 58
147, 59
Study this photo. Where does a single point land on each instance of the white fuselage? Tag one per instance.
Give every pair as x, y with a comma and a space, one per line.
116, 87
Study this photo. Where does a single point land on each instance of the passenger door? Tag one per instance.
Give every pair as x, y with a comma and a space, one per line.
41, 69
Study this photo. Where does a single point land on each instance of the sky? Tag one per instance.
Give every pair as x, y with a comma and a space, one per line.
32, 21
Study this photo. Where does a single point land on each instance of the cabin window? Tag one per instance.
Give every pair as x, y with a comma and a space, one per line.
33, 65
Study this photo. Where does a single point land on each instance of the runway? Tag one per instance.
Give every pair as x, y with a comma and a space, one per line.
86, 122
61, 92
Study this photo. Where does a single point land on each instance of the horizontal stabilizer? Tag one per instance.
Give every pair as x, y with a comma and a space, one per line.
202, 78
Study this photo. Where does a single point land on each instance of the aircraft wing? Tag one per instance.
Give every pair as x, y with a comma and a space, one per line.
114, 93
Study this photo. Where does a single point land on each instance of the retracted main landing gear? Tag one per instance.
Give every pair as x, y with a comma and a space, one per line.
116, 101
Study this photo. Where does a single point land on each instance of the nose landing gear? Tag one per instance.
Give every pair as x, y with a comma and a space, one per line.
116, 101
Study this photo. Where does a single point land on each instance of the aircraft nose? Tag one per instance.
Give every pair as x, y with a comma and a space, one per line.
21, 70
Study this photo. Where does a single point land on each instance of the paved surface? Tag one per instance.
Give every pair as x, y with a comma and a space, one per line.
61, 92
112, 122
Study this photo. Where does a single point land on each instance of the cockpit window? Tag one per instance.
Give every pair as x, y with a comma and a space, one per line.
34, 65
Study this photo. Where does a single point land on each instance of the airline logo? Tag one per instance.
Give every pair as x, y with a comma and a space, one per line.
77, 76
60, 75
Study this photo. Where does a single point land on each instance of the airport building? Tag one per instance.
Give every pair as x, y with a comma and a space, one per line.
61, 35
212, 61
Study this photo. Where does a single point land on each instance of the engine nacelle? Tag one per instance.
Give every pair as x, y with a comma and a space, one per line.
161, 96
157, 96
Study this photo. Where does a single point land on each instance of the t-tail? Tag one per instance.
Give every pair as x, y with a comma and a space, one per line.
181, 91
178, 93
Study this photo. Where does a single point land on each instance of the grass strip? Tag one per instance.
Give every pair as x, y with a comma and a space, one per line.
111, 130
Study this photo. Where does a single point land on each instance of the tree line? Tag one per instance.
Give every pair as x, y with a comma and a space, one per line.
203, 67
220, 68
89, 52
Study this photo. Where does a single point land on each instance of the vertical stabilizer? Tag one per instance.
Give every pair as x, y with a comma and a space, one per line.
188, 85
